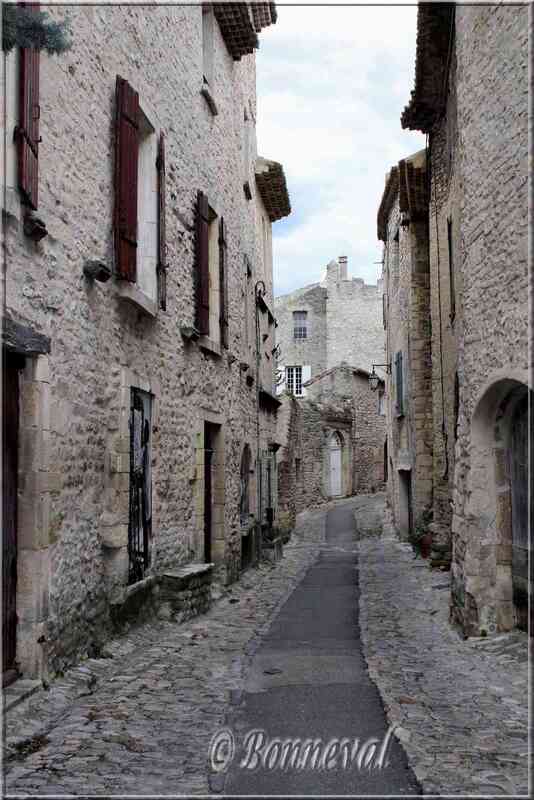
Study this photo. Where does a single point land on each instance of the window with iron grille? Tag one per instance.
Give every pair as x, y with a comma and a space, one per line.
294, 380
300, 324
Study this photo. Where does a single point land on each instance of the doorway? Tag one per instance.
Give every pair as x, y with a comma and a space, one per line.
10, 449
140, 516
521, 539
336, 448
405, 504
210, 448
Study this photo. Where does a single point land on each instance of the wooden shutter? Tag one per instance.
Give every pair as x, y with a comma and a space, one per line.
202, 276
28, 130
223, 278
126, 169
162, 244
399, 383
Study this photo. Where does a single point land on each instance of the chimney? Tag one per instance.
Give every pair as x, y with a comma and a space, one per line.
342, 261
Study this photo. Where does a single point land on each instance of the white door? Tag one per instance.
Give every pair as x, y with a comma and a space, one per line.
335, 470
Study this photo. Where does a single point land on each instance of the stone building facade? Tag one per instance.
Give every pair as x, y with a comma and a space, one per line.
471, 99
140, 398
332, 425
341, 321
408, 282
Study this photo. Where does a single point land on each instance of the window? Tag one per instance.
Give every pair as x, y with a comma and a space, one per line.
211, 274
208, 83
399, 385
452, 313
140, 255
294, 380
300, 324
208, 22
246, 155
381, 404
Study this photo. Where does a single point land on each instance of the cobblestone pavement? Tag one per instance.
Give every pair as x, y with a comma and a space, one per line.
141, 721
461, 704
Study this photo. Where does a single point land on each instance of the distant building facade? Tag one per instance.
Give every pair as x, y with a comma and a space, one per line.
332, 427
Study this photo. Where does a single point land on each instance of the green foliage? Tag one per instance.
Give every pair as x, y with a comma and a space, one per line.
30, 27
421, 527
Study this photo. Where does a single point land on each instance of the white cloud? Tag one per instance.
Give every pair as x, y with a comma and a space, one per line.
332, 82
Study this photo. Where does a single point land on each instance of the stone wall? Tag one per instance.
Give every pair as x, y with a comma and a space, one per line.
354, 322
101, 346
368, 438
492, 159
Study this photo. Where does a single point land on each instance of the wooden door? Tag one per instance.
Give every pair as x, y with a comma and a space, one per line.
521, 537
10, 429
335, 467
209, 435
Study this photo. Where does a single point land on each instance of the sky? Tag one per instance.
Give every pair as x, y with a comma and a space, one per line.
332, 83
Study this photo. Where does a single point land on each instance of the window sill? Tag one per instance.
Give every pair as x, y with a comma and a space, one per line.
133, 295
207, 344
208, 97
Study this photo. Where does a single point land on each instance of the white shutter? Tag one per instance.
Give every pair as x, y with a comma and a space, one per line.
306, 375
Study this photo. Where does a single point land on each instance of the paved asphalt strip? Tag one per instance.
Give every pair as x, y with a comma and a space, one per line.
308, 681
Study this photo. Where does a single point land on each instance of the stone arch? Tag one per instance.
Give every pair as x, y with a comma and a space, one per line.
492, 602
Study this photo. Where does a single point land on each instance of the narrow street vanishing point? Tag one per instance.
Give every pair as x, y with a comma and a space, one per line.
267, 410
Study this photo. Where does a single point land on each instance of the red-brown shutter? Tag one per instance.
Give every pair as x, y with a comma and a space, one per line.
126, 168
202, 276
162, 244
28, 131
223, 284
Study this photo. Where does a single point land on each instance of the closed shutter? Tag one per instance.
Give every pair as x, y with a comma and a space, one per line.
162, 243
126, 169
28, 130
202, 276
306, 376
223, 276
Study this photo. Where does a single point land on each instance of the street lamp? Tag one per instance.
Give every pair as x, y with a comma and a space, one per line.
375, 379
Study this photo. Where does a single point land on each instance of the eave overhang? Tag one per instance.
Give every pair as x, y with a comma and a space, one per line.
389, 195
413, 194
435, 30
272, 186
240, 24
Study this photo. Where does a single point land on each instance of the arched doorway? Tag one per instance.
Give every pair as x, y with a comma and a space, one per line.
336, 461
491, 574
517, 451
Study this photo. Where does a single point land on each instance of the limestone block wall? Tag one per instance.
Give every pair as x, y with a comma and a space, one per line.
354, 322
492, 158
369, 436
289, 461
101, 346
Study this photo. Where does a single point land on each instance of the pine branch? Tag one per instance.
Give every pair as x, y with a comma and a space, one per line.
30, 27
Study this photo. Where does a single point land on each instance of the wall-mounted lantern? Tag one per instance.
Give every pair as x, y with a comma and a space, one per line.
374, 379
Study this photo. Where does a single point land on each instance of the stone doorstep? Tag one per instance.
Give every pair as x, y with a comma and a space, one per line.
178, 579
18, 691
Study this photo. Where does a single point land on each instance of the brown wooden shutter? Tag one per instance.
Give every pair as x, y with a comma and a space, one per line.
202, 275
162, 244
223, 284
126, 169
28, 130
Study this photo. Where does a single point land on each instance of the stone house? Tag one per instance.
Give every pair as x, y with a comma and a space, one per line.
332, 441
324, 324
331, 426
139, 410
408, 283
470, 99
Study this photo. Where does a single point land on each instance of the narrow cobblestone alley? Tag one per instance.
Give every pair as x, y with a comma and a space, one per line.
282, 654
